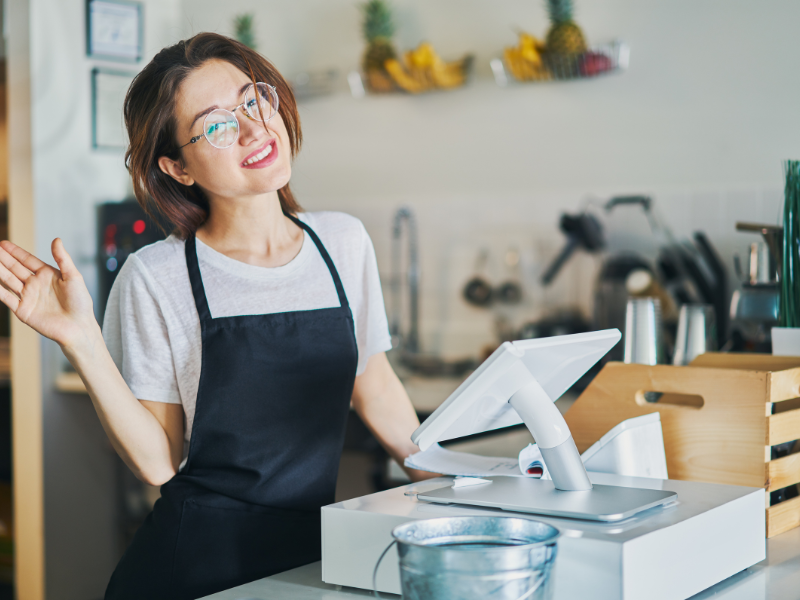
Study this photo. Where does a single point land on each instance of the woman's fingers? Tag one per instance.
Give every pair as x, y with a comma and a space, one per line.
28, 260
63, 259
12, 264
10, 281
9, 299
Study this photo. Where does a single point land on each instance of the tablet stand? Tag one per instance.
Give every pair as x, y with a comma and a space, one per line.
551, 433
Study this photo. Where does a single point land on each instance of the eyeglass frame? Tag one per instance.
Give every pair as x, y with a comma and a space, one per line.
197, 138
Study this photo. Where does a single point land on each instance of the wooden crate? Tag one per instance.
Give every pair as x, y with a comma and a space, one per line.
717, 417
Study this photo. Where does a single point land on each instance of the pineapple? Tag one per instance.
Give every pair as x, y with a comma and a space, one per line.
565, 41
378, 29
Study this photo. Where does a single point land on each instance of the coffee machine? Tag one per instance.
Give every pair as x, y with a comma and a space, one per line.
754, 307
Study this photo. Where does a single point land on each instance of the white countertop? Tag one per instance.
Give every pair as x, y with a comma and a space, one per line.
776, 578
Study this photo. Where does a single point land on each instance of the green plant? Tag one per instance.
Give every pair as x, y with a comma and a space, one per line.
789, 315
243, 30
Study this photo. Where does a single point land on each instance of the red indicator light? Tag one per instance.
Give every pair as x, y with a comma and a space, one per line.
138, 226
111, 230
535, 470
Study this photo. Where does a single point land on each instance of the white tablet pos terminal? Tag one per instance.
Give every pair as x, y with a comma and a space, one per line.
519, 383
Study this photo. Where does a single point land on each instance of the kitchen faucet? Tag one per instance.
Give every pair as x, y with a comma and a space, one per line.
410, 342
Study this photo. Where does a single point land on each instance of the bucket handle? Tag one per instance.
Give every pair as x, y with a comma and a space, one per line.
527, 594
375, 570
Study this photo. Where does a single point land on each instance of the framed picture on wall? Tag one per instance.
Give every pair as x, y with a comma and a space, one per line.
108, 94
114, 29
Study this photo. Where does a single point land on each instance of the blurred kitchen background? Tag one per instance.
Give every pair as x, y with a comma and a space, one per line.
698, 124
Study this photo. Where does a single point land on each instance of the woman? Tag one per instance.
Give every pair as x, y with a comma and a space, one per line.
232, 350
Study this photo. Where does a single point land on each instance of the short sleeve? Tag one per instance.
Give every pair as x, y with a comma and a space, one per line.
372, 327
137, 337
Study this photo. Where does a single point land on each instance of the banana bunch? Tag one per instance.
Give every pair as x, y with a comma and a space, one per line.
422, 70
525, 60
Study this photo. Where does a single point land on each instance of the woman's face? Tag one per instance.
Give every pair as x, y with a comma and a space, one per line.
259, 162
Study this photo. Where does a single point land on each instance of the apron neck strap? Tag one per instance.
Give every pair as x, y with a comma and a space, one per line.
199, 293
326, 257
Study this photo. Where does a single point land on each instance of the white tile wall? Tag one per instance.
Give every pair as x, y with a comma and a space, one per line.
453, 230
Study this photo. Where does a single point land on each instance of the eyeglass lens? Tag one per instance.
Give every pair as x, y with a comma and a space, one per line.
221, 126
261, 97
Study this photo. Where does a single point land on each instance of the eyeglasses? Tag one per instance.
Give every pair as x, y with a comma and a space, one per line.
221, 127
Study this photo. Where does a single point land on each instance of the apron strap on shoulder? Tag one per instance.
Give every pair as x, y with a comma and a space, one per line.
198, 291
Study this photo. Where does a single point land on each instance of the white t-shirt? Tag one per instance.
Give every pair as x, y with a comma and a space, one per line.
152, 329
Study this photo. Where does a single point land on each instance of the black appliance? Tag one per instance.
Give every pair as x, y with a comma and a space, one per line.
122, 229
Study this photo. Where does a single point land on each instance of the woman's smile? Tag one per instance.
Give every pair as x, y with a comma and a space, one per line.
263, 157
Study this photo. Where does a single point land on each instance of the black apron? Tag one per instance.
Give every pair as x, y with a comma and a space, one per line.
264, 453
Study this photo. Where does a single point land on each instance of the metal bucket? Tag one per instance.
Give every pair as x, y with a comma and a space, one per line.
486, 558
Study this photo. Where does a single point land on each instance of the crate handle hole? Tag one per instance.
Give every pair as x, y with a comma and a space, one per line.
647, 398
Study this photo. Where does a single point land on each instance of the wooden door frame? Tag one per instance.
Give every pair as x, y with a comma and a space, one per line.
26, 360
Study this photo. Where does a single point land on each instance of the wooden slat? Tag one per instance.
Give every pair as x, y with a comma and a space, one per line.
783, 517
783, 472
744, 361
784, 385
26, 377
784, 371
783, 427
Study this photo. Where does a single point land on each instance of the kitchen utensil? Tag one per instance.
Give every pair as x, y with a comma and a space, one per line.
460, 558
696, 333
642, 283
409, 341
755, 306
611, 295
716, 416
510, 292
582, 231
477, 290
643, 331
719, 283
773, 236
760, 268
694, 273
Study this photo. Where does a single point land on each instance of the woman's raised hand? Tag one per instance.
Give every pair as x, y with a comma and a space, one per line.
54, 302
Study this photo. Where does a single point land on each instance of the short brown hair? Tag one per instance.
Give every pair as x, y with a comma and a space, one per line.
150, 120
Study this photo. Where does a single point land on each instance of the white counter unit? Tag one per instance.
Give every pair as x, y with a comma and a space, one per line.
711, 533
